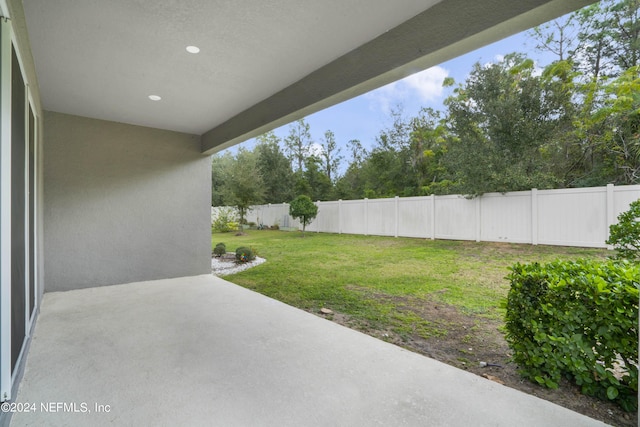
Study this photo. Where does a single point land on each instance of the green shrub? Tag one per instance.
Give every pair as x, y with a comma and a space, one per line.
220, 249
303, 209
224, 220
625, 235
577, 319
244, 254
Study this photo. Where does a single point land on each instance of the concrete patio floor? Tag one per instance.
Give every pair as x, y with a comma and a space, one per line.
200, 351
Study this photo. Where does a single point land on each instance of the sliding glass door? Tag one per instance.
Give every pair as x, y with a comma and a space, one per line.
31, 216
18, 169
18, 211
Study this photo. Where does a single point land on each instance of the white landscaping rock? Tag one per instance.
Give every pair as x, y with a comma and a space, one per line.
220, 267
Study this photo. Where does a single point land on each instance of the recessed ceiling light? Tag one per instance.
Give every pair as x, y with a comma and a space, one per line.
193, 49
155, 97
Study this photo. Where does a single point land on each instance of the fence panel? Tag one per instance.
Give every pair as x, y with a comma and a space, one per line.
270, 215
456, 218
506, 218
353, 219
569, 217
381, 217
622, 198
573, 217
414, 217
328, 219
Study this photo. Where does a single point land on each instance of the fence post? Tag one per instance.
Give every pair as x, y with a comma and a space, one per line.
397, 216
366, 216
339, 216
268, 213
433, 217
534, 216
318, 205
610, 212
285, 218
478, 219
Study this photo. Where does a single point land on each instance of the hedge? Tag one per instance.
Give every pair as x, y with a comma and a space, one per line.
220, 249
579, 320
244, 254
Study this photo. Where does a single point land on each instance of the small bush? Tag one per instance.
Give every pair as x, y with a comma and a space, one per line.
303, 208
220, 249
244, 254
578, 320
625, 235
224, 220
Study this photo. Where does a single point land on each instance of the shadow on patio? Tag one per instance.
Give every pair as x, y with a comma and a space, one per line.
202, 351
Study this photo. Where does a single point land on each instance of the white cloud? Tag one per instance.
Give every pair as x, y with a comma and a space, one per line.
425, 85
428, 83
385, 98
537, 70
497, 59
315, 149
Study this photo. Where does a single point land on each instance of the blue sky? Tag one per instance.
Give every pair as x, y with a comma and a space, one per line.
365, 116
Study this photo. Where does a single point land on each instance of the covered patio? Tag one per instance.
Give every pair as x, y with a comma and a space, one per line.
109, 118
200, 351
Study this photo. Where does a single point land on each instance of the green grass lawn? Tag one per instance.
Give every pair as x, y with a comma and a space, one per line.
369, 278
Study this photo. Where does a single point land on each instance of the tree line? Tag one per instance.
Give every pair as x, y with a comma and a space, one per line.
511, 125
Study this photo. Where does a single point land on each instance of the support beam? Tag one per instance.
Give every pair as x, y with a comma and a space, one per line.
449, 29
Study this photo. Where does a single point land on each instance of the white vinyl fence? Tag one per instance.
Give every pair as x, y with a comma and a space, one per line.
570, 217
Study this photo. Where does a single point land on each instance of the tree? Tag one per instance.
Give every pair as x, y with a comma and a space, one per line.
498, 120
557, 37
426, 151
602, 39
594, 143
350, 186
303, 209
625, 235
610, 35
608, 124
331, 157
297, 143
590, 53
357, 151
274, 168
396, 136
385, 173
244, 186
386, 170
221, 165
616, 126
313, 182
625, 20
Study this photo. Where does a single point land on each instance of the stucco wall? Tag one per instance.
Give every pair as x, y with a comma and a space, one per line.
122, 203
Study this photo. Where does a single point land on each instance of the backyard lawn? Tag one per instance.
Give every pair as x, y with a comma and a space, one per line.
439, 298
362, 276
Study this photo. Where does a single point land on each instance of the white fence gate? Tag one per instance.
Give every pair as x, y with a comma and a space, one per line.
569, 217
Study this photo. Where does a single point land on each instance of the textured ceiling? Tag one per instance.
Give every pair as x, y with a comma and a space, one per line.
262, 62
102, 58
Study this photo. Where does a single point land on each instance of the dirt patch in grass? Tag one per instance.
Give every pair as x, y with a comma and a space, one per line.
464, 341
